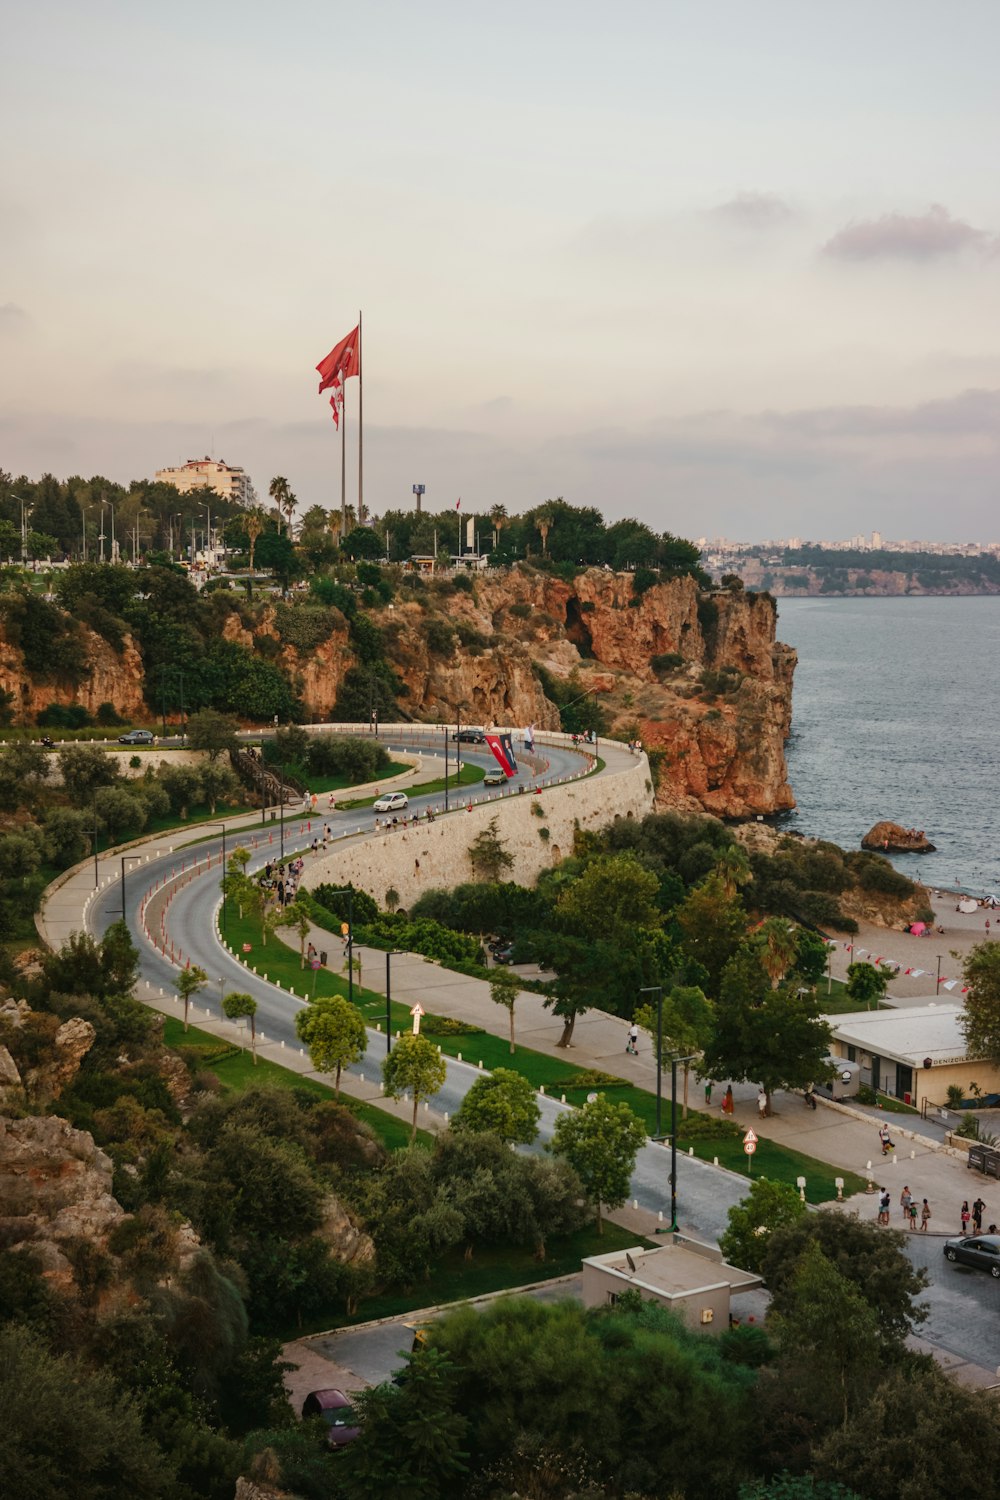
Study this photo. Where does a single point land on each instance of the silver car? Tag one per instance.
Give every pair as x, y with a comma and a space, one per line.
981, 1251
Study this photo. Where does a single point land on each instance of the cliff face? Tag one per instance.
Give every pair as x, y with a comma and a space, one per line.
698, 678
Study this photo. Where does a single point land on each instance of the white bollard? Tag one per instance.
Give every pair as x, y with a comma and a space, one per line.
715, 1161
458, 1057
480, 1064
659, 1216
690, 1151
562, 1098
635, 1203
541, 1088
282, 1041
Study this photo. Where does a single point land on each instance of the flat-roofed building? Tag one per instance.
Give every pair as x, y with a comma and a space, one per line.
686, 1275
229, 483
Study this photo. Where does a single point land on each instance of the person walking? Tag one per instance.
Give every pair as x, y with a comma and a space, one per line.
913, 1215
905, 1199
632, 1045
883, 1206
761, 1103
965, 1217
977, 1216
708, 1091
925, 1215
727, 1100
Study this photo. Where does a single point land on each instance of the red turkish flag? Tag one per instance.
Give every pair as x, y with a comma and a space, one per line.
343, 361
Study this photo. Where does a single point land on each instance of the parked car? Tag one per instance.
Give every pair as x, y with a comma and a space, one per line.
982, 1251
337, 1412
470, 736
136, 737
392, 802
501, 951
495, 778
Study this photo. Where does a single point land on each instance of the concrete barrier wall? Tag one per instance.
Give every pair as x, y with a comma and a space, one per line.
430, 855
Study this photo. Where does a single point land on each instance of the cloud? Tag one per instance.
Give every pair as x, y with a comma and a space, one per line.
13, 320
906, 237
754, 210
970, 413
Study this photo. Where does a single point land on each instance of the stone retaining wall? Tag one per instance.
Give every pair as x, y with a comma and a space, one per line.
428, 855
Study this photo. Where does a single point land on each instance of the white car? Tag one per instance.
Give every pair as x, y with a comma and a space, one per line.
392, 802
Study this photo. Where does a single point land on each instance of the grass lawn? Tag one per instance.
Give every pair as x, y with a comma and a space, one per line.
471, 776
198, 813
492, 1269
319, 784
236, 1071
281, 963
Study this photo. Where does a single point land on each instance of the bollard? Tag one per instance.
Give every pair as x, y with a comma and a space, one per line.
480, 1063
635, 1203
362, 1077
562, 1098
541, 1088
378, 1025
715, 1161
459, 1057
659, 1216
690, 1151
282, 1041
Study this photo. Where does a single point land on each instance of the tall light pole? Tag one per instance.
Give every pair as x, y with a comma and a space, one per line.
657, 990
125, 858
223, 827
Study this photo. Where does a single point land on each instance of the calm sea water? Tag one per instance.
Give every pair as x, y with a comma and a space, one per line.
896, 714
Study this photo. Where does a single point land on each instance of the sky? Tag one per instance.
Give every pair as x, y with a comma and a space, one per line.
730, 268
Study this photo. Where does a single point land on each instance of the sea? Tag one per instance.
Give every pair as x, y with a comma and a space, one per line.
896, 714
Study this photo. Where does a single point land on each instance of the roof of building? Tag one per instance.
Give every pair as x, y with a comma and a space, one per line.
673, 1270
909, 1035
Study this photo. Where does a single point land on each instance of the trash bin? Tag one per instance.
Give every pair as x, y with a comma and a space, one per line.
322, 958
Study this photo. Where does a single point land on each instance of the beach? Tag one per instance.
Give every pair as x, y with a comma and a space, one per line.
962, 931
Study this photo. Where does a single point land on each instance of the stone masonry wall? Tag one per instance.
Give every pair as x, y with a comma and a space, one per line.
434, 855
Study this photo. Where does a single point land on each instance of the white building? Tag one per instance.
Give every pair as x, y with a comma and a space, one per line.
232, 484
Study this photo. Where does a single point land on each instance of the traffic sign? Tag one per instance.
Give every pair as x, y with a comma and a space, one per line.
416, 1011
749, 1139
749, 1147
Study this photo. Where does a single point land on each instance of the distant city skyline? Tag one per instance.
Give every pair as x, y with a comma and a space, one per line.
730, 270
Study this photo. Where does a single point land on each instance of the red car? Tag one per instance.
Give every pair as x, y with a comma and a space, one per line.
337, 1412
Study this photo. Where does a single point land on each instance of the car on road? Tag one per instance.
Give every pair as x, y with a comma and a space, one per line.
392, 802
136, 737
495, 778
337, 1412
470, 736
982, 1251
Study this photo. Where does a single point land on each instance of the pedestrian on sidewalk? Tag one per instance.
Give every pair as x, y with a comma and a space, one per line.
977, 1216
884, 1203
632, 1045
912, 1224
761, 1103
905, 1199
708, 1091
965, 1217
727, 1100
925, 1215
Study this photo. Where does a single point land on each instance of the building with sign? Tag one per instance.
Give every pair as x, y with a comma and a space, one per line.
913, 1052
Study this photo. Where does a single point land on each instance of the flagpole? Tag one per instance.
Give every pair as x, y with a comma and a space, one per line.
361, 450
343, 463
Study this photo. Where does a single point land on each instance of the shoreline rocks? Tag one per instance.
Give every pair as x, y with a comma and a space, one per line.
893, 838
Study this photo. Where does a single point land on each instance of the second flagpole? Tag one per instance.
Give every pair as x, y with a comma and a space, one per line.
361, 440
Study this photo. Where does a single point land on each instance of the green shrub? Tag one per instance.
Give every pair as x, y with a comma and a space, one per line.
304, 626
440, 637
463, 584
666, 661
520, 611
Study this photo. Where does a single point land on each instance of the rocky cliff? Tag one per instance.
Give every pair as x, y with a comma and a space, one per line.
699, 678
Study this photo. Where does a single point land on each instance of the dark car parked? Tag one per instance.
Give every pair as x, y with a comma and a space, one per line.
979, 1250
337, 1412
470, 736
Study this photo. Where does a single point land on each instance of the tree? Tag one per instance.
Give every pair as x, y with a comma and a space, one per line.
733, 869
865, 983
498, 516
413, 1066
239, 1003
85, 768
189, 982
504, 990
335, 1034
543, 525
777, 939
688, 1021
279, 492
488, 854
253, 525
504, 1103
412, 1441
218, 784
873, 1259
981, 1020
23, 769
750, 1223
772, 1036
615, 896
601, 1141
712, 927
213, 732
296, 915
102, 1447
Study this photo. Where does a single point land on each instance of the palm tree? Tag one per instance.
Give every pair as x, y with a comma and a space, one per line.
780, 944
543, 525
498, 515
291, 501
279, 491
253, 526
733, 869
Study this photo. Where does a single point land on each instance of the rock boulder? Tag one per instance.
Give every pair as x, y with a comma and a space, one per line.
893, 838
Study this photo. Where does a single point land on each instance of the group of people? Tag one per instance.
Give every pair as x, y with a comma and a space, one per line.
974, 1215
908, 1206
283, 878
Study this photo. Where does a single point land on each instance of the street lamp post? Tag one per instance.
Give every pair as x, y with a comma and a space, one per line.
348, 891
657, 990
223, 827
673, 1135
390, 952
96, 876
125, 858
446, 767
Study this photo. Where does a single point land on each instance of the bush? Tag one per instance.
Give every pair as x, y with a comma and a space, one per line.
341, 755
463, 584
107, 714
440, 637
520, 611
304, 626
75, 716
666, 661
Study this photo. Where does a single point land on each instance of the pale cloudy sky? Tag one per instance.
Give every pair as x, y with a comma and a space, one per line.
733, 268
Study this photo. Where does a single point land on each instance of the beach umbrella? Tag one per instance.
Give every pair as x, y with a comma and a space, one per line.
917, 928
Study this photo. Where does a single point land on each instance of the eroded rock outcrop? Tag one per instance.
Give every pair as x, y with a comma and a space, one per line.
55, 1189
893, 838
70, 1045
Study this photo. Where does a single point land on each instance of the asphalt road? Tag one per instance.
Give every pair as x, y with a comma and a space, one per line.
962, 1304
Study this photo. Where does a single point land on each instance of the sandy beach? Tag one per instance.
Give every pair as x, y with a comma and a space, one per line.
961, 932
